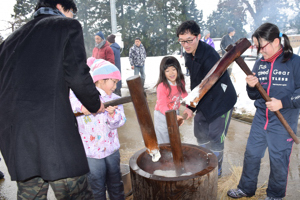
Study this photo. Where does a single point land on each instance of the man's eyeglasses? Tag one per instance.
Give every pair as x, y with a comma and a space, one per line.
187, 41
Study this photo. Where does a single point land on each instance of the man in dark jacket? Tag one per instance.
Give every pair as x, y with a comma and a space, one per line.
213, 112
117, 51
39, 139
227, 40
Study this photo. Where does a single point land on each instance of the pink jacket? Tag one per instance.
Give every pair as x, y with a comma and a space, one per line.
167, 102
99, 133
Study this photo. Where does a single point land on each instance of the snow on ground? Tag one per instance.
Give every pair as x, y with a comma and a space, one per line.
243, 105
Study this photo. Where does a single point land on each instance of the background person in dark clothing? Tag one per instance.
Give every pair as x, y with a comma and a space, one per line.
102, 49
137, 57
227, 40
213, 112
117, 51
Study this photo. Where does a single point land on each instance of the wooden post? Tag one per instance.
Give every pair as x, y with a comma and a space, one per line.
175, 141
143, 114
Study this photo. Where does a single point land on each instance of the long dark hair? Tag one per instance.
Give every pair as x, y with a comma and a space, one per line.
170, 61
270, 32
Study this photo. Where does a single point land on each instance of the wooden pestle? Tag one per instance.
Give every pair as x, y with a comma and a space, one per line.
143, 115
114, 102
175, 141
265, 95
216, 72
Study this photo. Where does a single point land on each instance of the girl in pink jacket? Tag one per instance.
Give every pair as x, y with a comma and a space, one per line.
170, 89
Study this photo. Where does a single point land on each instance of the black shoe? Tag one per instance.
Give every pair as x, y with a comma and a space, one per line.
236, 193
1, 175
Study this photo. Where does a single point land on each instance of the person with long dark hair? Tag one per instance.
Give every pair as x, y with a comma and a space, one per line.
278, 71
170, 88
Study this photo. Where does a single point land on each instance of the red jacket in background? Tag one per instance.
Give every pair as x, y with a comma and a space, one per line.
105, 52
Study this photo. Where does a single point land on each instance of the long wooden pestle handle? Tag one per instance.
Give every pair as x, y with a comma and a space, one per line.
175, 141
216, 72
115, 102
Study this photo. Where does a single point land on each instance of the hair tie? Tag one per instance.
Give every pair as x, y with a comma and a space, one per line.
280, 34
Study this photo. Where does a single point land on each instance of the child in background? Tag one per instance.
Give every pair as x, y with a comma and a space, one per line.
206, 38
278, 71
170, 89
99, 133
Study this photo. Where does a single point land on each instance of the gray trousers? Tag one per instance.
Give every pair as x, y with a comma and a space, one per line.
161, 128
140, 70
212, 135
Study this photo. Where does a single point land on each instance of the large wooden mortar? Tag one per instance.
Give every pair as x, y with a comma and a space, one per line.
200, 163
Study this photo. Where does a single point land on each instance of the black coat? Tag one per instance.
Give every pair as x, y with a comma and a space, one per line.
216, 101
39, 63
226, 40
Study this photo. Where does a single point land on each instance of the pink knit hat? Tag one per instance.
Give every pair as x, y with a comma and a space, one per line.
102, 69
90, 61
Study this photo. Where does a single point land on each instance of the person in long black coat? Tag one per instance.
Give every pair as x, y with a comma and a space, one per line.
39, 63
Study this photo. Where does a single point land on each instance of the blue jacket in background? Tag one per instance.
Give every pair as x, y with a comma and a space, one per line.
117, 51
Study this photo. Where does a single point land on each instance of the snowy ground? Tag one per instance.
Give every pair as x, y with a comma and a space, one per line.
243, 105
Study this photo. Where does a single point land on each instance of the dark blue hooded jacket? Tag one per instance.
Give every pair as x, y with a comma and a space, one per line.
281, 81
117, 51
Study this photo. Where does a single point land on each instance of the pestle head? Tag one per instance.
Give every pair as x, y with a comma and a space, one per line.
193, 95
155, 154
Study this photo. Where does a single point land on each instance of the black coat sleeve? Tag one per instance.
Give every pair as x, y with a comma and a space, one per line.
77, 73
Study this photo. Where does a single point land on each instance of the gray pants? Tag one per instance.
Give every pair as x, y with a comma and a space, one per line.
212, 135
140, 70
161, 128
